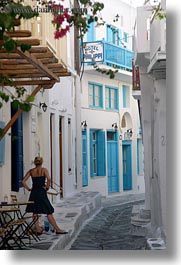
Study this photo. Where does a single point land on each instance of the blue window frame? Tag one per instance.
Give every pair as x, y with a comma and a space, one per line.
125, 98
84, 159
139, 157
95, 95
126, 37
111, 97
16, 152
97, 153
113, 35
91, 32
2, 146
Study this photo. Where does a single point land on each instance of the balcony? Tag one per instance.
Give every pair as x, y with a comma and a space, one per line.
110, 54
118, 56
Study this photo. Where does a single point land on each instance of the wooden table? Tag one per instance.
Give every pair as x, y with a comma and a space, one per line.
13, 221
10, 237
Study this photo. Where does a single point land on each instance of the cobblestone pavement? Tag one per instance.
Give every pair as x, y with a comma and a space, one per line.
110, 229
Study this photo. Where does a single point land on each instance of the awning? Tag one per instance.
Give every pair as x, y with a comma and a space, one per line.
37, 66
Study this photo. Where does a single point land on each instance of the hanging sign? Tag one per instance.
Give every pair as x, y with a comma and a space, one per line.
135, 77
93, 52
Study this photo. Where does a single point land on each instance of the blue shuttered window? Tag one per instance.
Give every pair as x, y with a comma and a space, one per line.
2, 146
95, 95
97, 153
17, 152
91, 32
113, 35
139, 157
124, 89
126, 37
111, 98
84, 159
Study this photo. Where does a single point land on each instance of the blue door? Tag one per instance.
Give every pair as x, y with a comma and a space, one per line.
16, 152
127, 165
84, 159
112, 162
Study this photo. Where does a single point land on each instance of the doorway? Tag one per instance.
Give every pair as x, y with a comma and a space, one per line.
127, 165
112, 162
61, 155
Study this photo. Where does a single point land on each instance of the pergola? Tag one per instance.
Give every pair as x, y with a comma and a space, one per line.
37, 67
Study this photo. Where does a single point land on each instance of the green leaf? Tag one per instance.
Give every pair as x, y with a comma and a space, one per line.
30, 98
10, 45
15, 103
6, 21
25, 47
25, 107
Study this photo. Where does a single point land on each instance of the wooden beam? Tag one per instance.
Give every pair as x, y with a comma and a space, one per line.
19, 33
32, 50
33, 42
38, 64
43, 82
23, 61
10, 56
26, 70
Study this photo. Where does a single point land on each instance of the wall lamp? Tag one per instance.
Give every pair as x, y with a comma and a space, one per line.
130, 132
44, 106
115, 126
84, 125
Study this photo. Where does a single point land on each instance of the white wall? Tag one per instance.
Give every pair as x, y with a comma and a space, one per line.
103, 119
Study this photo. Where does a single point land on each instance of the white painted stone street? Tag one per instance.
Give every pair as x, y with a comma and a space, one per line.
94, 223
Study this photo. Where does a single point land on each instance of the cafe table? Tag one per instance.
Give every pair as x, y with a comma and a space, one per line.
9, 226
11, 215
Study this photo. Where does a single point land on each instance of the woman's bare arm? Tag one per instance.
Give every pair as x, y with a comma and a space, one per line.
26, 177
47, 178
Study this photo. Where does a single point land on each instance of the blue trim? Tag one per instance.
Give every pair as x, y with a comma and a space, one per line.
124, 90
116, 55
93, 95
99, 168
113, 163
84, 159
139, 157
126, 37
127, 164
116, 98
17, 151
2, 146
91, 32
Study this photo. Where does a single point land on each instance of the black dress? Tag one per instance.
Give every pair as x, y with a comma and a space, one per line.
38, 194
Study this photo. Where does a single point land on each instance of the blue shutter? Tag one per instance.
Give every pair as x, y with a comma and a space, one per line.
84, 159
101, 154
17, 152
120, 37
91, 32
124, 96
108, 33
91, 153
2, 146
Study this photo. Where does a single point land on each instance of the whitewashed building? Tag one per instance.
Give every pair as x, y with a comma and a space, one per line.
111, 139
49, 132
150, 56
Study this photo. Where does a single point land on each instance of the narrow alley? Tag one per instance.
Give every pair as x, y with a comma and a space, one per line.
110, 229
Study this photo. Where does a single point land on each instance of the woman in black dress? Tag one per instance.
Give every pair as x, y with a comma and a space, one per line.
41, 183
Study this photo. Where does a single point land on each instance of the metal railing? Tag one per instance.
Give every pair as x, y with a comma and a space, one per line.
115, 56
